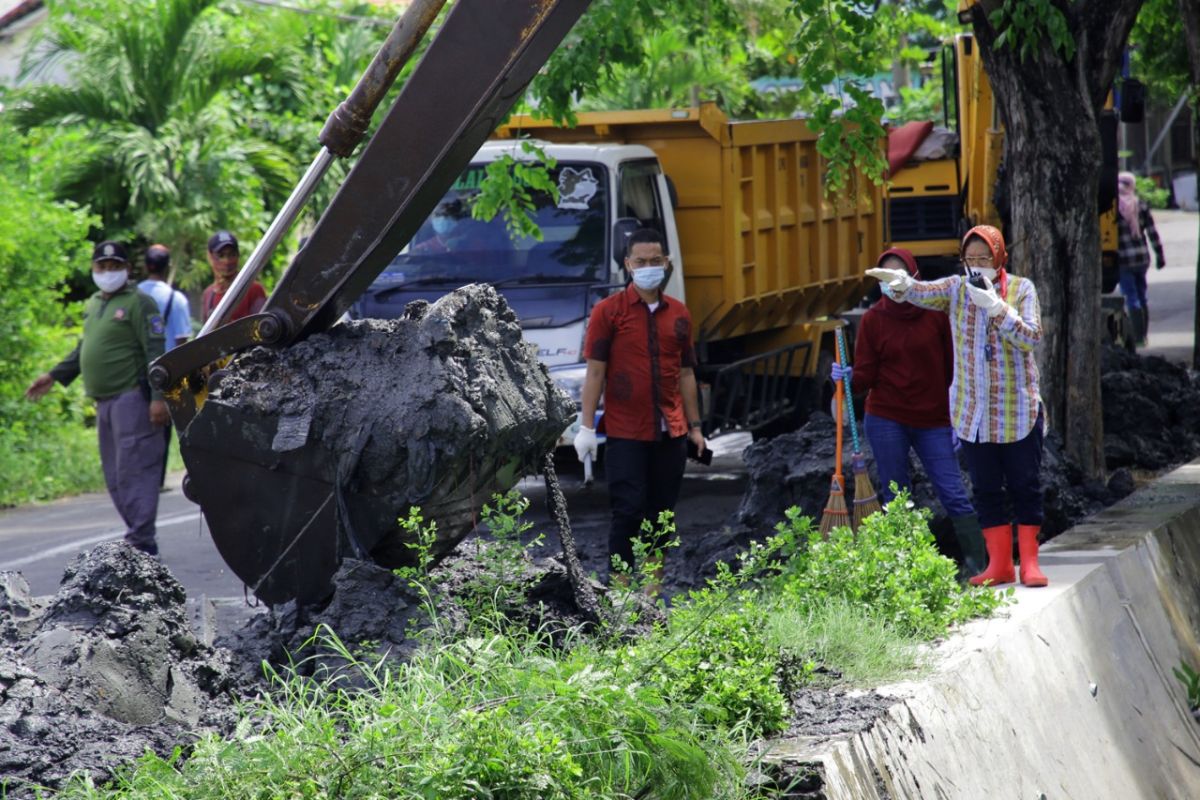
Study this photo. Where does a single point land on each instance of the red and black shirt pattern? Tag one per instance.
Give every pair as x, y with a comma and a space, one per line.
644, 352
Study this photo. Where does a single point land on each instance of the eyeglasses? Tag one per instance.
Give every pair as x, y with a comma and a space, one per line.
978, 261
659, 261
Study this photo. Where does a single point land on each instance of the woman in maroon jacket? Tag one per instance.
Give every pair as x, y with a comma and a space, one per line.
904, 360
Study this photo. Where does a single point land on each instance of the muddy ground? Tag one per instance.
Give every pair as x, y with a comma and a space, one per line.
108, 666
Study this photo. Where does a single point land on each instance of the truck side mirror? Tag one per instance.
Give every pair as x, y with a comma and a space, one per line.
1133, 101
622, 229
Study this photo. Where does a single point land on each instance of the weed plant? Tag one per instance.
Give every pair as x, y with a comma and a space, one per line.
502, 712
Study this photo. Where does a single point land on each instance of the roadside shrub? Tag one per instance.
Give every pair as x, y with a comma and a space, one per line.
45, 450
890, 567
1148, 189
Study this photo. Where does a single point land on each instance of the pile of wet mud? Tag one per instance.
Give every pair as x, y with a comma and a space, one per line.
375, 614
102, 671
1151, 411
438, 409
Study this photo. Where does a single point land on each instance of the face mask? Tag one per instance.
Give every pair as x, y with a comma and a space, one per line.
443, 225
986, 272
649, 278
110, 282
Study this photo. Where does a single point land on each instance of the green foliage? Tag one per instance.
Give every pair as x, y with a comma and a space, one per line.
1024, 25
164, 157
1148, 189
499, 717
721, 663
508, 189
1158, 44
45, 450
1190, 679
890, 566
499, 586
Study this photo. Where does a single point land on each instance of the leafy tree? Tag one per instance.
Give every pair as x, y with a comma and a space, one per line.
44, 449
166, 158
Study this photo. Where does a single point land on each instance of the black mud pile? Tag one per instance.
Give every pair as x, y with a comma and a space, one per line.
437, 409
375, 614
1151, 411
102, 671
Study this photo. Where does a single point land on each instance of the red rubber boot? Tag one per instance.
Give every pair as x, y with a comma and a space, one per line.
1000, 561
1027, 547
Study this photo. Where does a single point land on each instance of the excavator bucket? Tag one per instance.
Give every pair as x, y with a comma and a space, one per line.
285, 501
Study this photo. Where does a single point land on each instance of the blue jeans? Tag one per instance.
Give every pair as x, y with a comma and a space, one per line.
891, 442
1133, 287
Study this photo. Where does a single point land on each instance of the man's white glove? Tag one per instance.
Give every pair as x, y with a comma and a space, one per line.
987, 299
895, 283
585, 443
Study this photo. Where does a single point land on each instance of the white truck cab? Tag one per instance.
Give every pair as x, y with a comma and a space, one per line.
605, 192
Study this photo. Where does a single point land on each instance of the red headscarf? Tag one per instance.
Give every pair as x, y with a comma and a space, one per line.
992, 237
910, 262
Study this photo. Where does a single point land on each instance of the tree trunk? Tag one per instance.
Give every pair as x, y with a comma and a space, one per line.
1189, 10
1051, 110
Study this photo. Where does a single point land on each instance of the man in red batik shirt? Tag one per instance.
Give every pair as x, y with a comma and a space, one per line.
639, 353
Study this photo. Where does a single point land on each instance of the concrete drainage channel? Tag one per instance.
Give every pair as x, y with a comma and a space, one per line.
1067, 694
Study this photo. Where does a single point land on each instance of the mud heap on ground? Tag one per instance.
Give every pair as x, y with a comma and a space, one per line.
103, 670
1151, 422
1151, 411
437, 409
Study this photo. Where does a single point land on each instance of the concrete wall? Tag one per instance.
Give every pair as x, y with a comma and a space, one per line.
1068, 694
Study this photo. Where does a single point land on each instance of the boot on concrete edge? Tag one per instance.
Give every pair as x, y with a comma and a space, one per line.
1027, 547
1000, 561
970, 542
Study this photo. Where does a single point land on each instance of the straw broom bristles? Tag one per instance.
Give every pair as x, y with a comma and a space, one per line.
866, 501
836, 515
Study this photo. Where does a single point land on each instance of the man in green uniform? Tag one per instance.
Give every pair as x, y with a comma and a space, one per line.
122, 334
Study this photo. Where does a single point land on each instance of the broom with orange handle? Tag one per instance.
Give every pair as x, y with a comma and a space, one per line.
836, 514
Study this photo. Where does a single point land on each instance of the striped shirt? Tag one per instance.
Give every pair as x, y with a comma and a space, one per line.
994, 396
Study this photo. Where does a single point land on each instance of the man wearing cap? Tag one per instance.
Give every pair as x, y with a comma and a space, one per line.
223, 258
122, 333
177, 317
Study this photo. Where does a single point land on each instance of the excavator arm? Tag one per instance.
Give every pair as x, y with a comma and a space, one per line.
269, 513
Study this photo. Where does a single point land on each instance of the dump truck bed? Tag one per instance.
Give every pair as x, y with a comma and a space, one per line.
764, 248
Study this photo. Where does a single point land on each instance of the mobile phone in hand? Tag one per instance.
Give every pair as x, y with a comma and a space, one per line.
704, 458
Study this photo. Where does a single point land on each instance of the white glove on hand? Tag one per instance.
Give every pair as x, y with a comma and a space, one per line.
585, 443
987, 299
894, 282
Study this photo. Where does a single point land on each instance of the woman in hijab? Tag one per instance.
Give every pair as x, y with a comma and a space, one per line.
1134, 225
995, 403
904, 360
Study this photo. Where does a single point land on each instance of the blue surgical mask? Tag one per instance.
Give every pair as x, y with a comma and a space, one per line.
443, 224
649, 278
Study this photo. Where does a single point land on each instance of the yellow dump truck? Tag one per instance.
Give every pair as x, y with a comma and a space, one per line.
955, 178
762, 256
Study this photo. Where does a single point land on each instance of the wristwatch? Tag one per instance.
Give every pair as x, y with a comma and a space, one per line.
695, 424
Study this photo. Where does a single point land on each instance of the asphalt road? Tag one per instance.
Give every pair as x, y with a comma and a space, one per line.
1172, 290
40, 540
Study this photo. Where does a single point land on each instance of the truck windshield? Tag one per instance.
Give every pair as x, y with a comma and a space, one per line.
451, 246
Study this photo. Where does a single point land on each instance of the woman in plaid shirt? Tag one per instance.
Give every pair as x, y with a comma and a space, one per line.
1134, 226
995, 404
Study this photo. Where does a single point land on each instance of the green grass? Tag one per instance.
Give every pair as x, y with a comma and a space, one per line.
863, 649
499, 712
51, 463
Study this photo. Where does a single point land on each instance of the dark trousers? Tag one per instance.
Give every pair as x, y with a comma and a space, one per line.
1007, 472
131, 453
643, 479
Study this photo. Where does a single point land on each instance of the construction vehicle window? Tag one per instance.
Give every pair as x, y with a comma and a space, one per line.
638, 197
453, 246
